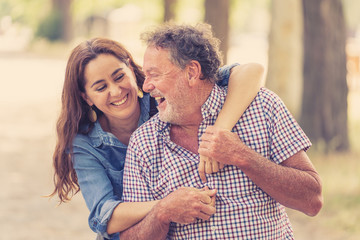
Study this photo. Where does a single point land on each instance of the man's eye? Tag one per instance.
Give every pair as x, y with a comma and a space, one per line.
153, 76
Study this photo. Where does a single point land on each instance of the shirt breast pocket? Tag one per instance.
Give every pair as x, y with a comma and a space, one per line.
116, 178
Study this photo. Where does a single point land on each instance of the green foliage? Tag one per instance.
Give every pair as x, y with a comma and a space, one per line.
83, 9
50, 27
5, 8
245, 13
25, 12
351, 10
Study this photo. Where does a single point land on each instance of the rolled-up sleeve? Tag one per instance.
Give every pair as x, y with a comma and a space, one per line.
96, 187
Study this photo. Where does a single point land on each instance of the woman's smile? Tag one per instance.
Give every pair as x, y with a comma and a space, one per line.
122, 101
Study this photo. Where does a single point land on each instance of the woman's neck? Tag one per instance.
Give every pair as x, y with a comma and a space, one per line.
121, 128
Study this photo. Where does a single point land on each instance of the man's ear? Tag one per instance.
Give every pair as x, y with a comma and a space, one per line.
86, 99
193, 72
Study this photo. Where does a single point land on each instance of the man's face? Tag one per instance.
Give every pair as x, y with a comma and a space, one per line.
166, 82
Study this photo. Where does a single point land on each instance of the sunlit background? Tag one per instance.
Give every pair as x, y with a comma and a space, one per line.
33, 53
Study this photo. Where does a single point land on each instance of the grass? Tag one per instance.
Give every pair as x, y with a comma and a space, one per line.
340, 173
340, 216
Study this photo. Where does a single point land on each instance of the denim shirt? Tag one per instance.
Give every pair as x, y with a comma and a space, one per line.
99, 159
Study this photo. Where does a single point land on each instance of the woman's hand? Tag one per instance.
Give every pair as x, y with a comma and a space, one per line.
208, 166
187, 205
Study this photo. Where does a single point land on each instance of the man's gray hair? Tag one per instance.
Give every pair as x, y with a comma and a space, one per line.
186, 43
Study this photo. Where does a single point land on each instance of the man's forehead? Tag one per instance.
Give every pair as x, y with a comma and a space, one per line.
152, 51
156, 58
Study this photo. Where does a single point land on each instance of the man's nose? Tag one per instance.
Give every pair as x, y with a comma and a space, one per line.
148, 86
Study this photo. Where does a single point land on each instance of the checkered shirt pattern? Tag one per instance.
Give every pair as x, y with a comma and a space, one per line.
155, 166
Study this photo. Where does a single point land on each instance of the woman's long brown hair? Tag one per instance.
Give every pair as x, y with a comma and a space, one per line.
74, 109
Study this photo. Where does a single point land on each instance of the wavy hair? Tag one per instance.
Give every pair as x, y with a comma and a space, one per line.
186, 43
74, 109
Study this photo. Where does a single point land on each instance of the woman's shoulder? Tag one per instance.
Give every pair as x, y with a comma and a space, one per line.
81, 140
88, 137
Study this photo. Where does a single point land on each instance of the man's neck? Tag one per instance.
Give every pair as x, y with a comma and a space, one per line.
185, 136
185, 133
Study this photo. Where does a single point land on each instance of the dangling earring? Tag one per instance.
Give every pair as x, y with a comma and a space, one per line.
92, 115
140, 93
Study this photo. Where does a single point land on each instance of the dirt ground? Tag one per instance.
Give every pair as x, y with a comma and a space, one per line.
29, 104
30, 91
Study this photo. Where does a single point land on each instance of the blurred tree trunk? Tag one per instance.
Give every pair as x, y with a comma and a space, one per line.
169, 10
217, 15
63, 7
285, 63
324, 109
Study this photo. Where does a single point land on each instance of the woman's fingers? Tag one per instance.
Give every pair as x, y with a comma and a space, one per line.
215, 166
208, 166
201, 169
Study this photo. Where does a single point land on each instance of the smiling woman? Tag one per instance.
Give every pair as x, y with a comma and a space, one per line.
111, 87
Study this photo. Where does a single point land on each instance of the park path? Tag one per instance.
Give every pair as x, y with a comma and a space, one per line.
30, 89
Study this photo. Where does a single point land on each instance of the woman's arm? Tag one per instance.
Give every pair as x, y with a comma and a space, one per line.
185, 205
127, 214
244, 84
108, 215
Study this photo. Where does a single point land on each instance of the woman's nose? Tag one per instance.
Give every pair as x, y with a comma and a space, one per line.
115, 90
148, 86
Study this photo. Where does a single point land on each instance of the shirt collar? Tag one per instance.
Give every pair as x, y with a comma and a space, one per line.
144, 109
99, 136
214, 103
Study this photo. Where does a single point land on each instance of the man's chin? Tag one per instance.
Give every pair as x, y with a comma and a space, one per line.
166, 118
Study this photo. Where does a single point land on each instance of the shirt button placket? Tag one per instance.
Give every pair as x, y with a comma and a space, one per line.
213, 231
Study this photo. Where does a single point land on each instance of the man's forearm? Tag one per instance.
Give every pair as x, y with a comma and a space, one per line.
295, 183
148, 228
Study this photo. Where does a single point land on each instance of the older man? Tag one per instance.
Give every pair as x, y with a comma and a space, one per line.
266, 169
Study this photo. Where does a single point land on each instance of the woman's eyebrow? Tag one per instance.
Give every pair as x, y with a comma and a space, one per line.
98, 81
116, 71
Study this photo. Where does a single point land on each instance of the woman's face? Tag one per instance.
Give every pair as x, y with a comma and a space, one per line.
110, 85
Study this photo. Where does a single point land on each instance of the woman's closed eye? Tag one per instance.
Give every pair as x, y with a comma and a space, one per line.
101, 88
119, 77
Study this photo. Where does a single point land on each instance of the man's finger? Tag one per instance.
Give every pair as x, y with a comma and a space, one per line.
208, 209
203, 216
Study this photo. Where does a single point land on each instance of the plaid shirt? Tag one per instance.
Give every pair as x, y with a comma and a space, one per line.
155, 166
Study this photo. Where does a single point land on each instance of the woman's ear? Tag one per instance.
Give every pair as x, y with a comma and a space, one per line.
86, 99
193, 72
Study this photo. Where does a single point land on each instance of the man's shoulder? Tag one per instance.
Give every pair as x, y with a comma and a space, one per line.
268, 99
268, 95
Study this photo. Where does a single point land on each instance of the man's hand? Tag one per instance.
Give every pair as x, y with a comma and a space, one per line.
186, 205
220, 145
